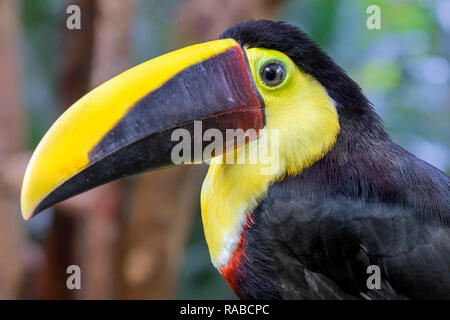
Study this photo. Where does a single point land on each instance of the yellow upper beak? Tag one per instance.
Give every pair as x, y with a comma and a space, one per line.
67, 148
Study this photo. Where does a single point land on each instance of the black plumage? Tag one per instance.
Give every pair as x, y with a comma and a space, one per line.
367, 202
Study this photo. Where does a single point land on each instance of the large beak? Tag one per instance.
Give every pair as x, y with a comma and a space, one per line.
124, 126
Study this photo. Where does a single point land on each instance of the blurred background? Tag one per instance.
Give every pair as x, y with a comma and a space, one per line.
142, 237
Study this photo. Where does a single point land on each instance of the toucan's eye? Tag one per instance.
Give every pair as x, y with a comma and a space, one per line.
272, 73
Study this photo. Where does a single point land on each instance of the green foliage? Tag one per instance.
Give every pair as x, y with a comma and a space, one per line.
42, 27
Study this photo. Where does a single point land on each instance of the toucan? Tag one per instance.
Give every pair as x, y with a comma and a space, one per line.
343, 213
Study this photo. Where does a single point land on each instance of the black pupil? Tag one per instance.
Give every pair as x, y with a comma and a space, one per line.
273, 74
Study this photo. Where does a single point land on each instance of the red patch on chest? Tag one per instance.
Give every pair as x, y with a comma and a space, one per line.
233, 271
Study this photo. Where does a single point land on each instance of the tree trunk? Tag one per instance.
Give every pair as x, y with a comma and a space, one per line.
12, 237
102, 235
49, 279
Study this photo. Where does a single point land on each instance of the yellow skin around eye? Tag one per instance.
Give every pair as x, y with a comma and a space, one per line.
299, 108
307, 123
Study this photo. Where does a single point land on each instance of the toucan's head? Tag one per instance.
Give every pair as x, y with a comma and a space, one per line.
260, 74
